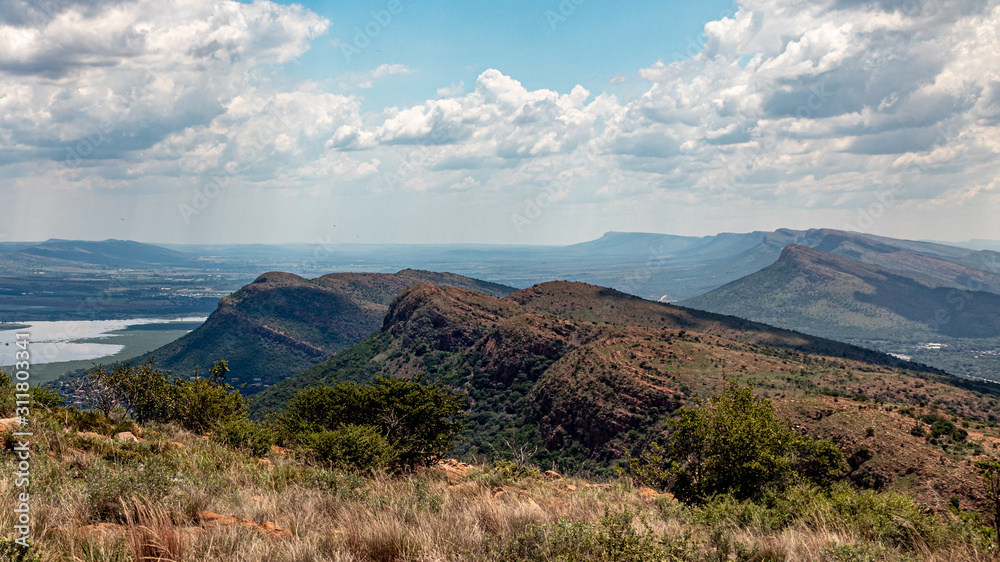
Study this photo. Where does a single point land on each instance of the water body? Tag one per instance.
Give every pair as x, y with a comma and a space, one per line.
57, 347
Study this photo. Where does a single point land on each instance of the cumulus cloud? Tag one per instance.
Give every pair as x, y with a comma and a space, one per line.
95, 80
801, 104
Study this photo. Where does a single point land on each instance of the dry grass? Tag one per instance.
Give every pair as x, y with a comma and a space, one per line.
343, 517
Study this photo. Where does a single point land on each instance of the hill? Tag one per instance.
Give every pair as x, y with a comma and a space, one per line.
823, 293
585, 375
105, 254
917, 313
282, 323
674, 268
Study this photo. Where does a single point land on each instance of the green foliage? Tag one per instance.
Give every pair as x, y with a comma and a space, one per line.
6, 394
82, 420
13, 552
420, 422
736, 444
148, 394
108, 488
818, 460
854, 552
203, 402
240, 433
990, 471
943, 427
879, 517
614, 537
45, 397
361, 447
144, 391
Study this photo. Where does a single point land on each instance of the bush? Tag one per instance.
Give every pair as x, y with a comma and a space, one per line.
241, 433
362, 447
420, 422
107, 489
92, 421
11, 551
148, 394
202, 403
735, 445
614, 537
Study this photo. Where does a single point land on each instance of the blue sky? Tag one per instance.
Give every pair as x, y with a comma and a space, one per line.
193, 121
449, 43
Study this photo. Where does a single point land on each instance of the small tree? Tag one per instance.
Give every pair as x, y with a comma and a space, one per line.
420, 422
736, 444
202, 403
96, 391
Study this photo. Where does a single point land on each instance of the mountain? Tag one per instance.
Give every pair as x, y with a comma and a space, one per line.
825, 294
282, 323
585, 375
674, 268
107, 253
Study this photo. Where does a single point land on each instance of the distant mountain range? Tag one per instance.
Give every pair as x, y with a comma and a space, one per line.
653, 266
106, 254
825, 294
282, 323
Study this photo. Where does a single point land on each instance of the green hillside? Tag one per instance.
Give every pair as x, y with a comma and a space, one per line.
582, 375
282, 323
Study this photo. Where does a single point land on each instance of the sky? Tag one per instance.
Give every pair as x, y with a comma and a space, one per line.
548, 122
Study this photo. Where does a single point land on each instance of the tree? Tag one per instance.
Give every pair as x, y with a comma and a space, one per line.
420, 422
148, 394
736, 444
201, 403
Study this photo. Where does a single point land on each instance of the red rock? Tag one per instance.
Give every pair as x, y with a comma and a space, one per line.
127, 436
92, 435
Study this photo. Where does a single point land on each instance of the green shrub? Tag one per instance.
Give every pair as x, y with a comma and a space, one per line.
420, 422
353, 446
107, 488
11, 551
614, 537
855, 552
81, 420
738, 445
202, 403
148, 394
241, 433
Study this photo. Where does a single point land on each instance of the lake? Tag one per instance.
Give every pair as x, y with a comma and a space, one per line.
60, 346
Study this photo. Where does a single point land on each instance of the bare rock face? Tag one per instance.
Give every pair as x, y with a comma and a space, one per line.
92, 435
453, 470
9, 425
211, 520
127, 436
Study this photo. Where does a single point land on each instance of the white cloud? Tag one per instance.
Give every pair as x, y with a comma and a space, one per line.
367, 79
803, 105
